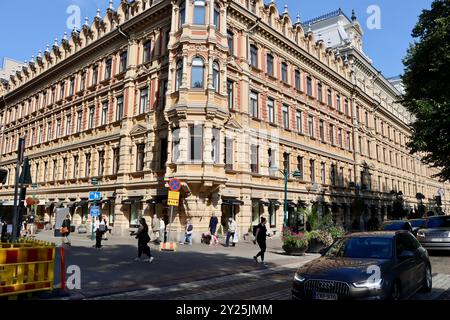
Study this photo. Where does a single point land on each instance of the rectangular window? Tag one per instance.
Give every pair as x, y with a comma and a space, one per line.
91, 117
63, 88
87, 168
58, 128
298, 120
254, 158
284, 72
348, 140
330, 98
321, 131
340, 138
79, 120
253, 56
311, 126
199, 12
297, 80
338, 103
229, 153
44, 100
143, 105
285, 116
101, 163
83, 81
123, 61
95, 75
322, 173
230, 95
271, 110
319, 92
215, 143
309, 86
182, 14
269, 64
148, 51
53, 97
105, 110
64, 171
196, 142
140, 157
367, 119
230, 36
116, 160
49, 131
300, 166
286, 162
119, 108
108, 69
175, 145
68, 125
346, 110
254, 104
55, 170
368, 148
331, 134
312, 169
75, 166
333, 175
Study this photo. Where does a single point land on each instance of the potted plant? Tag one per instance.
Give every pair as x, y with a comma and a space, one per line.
294, 243
318, 240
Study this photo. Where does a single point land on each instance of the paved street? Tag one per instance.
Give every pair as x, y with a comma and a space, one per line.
199, 272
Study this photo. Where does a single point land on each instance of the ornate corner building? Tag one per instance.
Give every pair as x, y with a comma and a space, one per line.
224, 95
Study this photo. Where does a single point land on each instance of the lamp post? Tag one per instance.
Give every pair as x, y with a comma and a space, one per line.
286, 174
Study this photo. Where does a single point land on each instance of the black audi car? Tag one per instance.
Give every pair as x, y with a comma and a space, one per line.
376, 265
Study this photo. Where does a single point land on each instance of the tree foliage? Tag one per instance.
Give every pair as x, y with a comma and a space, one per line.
427, 86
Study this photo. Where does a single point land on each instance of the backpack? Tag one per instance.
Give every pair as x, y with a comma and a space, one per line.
102, 228
255, 228
190, 228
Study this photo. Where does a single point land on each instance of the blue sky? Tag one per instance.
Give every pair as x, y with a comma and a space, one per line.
29, 25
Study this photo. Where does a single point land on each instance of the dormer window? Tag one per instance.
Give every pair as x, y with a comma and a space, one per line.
199, 11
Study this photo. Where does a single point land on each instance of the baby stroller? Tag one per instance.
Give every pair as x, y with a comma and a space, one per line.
206, 238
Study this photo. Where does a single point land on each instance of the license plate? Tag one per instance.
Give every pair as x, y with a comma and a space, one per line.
437, 240
325, 296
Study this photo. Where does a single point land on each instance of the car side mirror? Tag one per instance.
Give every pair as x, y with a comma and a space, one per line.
406, 254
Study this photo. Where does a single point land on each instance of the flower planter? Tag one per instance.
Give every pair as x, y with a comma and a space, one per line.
293, 251
315, 246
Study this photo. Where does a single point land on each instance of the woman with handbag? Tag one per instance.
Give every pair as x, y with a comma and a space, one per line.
143, 240
65, 230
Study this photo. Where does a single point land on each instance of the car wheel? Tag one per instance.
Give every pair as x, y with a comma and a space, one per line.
428, 280
396, 292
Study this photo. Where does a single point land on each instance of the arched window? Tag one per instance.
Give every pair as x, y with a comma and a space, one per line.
198, 67
179, 75
199, 12
216, 76
217, 16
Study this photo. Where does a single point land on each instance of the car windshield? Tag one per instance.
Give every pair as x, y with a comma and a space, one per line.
417, 223
441, 222
362, 248
391, 226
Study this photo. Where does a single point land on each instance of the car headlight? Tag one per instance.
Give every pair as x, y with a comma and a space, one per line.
369, 284
421, 234
299, 278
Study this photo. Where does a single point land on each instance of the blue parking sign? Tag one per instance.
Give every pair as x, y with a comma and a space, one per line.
95, 196
95, 211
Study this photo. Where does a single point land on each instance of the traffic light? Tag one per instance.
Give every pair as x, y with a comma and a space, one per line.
3, 176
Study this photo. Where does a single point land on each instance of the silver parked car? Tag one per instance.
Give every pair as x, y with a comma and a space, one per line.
436, 234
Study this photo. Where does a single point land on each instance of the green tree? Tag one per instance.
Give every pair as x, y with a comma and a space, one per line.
427, 86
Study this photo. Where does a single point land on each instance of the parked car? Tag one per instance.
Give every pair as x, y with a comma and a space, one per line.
436, 233
417, 224
397, 225
371, 265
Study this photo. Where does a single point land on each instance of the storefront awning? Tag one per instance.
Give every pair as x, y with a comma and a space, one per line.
231, 202
292, 204
131, 201
264, 203
275, 202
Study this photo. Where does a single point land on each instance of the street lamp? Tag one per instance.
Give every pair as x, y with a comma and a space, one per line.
286, 174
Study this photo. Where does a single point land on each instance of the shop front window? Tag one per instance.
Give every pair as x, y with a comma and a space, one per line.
134, 214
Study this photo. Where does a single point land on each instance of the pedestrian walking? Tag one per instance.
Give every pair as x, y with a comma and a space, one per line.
162, 231
143, 240
260, 238
99, 228
4, 230
213, 222
188, 233
232, 228
105, 234
65, 231
156, 226
30, 225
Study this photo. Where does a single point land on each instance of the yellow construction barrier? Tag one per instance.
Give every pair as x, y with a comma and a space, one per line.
26, 267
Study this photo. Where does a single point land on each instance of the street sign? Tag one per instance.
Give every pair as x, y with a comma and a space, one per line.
175, 184
94, 181
174, 199
95, 211
95, 196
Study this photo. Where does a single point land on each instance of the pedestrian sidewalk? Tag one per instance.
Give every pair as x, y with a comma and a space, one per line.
111, 270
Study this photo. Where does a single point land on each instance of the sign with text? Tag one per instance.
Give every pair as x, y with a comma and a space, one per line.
95, 211
174, 199
95, 196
